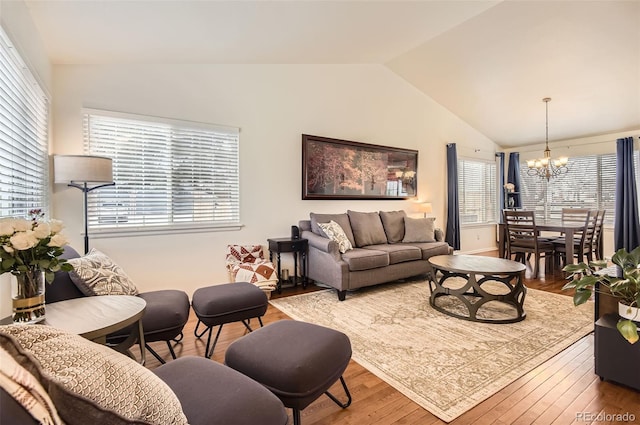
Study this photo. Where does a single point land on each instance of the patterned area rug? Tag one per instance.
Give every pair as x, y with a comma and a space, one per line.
444, 364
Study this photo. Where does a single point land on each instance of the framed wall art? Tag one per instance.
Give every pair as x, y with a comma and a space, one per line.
341, 169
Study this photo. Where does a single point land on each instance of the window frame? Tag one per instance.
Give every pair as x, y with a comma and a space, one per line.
543, 210
491, 192
24, 141
122, 168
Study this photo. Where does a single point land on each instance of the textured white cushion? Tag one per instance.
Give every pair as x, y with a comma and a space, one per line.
90, 383
97, 274
334, 231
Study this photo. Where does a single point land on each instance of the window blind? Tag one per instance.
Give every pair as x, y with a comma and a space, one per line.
24, 115
168, 173
590, 183
477, 191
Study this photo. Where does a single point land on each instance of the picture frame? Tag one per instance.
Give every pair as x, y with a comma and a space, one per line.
341, 169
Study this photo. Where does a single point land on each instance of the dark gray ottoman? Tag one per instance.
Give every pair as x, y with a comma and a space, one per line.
213, 394
297, 361
231, 302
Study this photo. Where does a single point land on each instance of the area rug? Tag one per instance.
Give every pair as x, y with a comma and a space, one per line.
444, 364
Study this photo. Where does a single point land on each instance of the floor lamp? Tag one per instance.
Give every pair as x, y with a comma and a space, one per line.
85, 172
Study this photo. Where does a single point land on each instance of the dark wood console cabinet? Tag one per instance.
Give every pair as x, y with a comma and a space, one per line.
616, 359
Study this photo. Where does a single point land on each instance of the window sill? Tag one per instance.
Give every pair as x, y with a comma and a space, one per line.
161, 230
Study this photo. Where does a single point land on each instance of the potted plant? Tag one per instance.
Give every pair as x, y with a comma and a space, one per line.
625, 287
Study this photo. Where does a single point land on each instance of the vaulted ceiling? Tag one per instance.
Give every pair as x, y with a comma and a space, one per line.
488, 62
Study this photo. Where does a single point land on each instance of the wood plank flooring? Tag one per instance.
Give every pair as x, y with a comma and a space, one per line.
555, 392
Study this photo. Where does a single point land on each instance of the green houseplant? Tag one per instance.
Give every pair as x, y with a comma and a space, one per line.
625, 288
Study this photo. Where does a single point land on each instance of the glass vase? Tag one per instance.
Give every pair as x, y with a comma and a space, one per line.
27, 294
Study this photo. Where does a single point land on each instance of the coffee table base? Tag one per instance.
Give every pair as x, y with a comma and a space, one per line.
473, 290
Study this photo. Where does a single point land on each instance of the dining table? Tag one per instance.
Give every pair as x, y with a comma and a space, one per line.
566, 228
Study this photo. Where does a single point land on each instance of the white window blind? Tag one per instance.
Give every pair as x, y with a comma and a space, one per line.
590, 183
477, 191
169, 174
24, 114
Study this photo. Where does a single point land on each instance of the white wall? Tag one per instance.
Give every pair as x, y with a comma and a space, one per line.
273, 105
17, 23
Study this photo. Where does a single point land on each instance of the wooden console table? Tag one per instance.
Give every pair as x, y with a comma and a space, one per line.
477, 271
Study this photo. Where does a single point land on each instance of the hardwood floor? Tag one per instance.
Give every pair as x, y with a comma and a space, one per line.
556, 392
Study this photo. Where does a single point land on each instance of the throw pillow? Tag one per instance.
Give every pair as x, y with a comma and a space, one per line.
26, 390
367, 228
341, 219
419, 229
393, 223
90, 383
97, 274
335, 232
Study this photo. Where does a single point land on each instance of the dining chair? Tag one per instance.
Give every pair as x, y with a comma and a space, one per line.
582, 240
596, 246
523, 239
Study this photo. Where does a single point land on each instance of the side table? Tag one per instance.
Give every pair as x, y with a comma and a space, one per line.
299, 248
96, 317
614, 354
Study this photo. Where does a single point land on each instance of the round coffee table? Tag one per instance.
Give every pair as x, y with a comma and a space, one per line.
469, 282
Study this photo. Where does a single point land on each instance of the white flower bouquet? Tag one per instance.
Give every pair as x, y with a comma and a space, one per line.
30, 251
509, 187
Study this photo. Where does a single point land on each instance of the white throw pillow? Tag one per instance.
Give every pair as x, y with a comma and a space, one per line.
97, 274
336, 233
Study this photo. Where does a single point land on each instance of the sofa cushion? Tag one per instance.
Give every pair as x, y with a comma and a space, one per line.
91, 383
334, 232
419, 230
398, 253
429, 249
393, 223
341, 219
97, 274
367, 228
365, 259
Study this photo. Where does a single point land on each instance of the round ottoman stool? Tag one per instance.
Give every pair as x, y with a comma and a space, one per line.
231, 302
297, 361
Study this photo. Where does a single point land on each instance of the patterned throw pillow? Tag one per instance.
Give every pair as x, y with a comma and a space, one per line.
335, 232
91, 383
97, 274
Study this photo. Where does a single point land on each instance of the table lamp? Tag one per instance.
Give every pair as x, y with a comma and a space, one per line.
85, 172
425, 207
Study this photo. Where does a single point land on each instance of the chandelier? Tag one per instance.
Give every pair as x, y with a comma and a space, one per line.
547, 167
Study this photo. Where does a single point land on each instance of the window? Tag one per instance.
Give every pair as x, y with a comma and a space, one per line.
170, 175
477, 191
24, 115
590, 183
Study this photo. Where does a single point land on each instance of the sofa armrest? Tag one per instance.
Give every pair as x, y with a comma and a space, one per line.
322, 244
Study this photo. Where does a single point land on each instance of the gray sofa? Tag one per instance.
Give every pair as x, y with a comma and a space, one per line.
385, 246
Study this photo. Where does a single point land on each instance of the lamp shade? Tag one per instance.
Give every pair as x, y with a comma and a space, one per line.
425, 207
82, 168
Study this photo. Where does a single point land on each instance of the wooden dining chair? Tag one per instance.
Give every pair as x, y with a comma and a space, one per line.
524, 241
582, 240
596, 246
